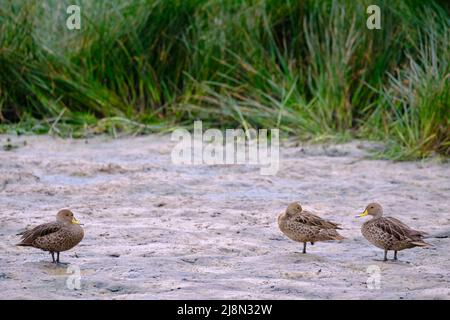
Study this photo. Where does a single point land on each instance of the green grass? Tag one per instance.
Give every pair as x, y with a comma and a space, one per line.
310, 68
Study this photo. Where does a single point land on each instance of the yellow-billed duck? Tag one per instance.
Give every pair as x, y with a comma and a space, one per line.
55, 237
389, 233
303, 226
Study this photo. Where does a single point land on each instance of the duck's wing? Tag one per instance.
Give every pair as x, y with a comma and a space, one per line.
29, 236
398, 229
310, 219
411, 232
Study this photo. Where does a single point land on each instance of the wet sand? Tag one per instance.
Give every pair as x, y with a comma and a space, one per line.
155, 230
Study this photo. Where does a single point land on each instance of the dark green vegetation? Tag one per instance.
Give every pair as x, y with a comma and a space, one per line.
311, 68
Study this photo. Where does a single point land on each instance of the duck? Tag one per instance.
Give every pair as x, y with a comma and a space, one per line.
303, 226
389, 233
54, 237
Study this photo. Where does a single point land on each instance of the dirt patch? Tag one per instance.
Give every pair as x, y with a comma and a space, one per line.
162, 231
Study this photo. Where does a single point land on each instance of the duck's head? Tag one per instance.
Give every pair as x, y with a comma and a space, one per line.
66, 216
293, 208
373, 209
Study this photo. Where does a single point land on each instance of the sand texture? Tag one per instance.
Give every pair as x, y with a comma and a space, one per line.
155, 230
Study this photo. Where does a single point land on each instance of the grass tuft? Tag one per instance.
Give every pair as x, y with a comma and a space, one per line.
310, 68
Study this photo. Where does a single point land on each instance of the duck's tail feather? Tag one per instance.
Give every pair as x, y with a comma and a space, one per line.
21, 244
334, 235
338, 237
421, 243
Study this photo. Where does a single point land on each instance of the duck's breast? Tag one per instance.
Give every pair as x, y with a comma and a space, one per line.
377, 236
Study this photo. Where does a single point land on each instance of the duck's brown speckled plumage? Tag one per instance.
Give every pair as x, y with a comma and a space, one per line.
58, 236
303, 226
389, 233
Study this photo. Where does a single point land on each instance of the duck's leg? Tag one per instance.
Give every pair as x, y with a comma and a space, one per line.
53, 256
385, 255
57, 259
395, 255
304, 247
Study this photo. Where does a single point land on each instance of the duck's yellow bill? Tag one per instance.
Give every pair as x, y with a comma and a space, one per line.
75, 221
365, 213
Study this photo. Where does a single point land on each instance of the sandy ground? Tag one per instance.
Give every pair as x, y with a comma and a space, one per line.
154, 230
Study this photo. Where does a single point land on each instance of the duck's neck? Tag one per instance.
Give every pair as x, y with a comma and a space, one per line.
378, 216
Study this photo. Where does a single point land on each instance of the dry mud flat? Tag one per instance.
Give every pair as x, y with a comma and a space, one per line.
155, 230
